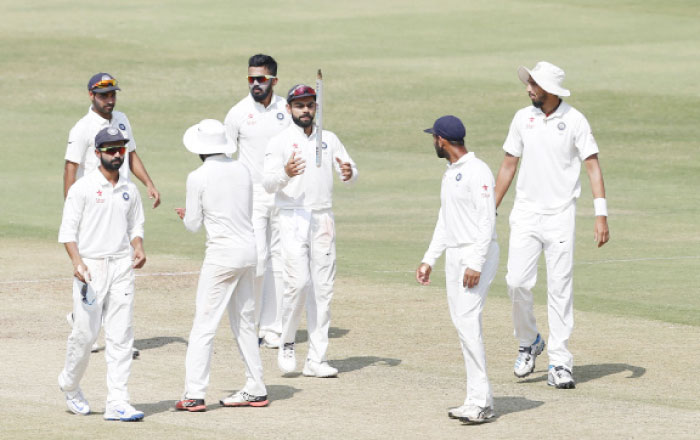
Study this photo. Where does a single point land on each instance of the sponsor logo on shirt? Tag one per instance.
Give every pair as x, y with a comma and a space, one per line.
125, 196
485, 194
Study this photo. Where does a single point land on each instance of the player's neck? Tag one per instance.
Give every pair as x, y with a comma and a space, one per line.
107, 116
551, 105
112, 176
266, 102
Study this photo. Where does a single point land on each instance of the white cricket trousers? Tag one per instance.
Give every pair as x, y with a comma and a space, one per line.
530, 234
223, 289
308, 252
466, 306
269, 286
113, 307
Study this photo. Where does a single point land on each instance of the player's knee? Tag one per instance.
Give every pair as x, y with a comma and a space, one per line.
519, 281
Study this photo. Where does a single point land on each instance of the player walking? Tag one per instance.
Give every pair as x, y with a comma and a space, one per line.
102, 229
250, 124
307, 229
466, 230
552, 138
219, 195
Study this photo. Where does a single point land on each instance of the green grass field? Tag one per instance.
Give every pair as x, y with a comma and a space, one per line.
390, 68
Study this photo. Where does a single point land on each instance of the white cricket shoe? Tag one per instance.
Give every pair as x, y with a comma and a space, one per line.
241, 398
121, 410
560, 377
525, 363
77, 403
286, 358
318, 369
271, 340
472, 414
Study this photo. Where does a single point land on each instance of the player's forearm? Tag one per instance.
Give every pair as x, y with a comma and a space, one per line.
139, 170
595, 175
505, 177
69, 176
73, 254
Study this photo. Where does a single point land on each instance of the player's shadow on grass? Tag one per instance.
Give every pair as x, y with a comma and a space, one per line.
157, 342
585, 373
359, 362
511, 404
333, 333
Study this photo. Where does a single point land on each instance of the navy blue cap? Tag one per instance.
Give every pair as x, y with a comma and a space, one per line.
300, 91
448, 127
109, 134
95, 86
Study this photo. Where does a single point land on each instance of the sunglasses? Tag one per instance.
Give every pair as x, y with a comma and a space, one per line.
104, 83
262, 79
113, 150
303, 90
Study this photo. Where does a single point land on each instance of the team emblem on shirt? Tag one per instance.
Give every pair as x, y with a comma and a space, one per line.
561, 126
122, 127
125, 195
324, 145
458, 177
280, 116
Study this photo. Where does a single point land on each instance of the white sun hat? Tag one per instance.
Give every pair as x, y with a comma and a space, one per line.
208, 137
546, 75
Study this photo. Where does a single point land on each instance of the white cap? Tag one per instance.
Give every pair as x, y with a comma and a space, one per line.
208, 137
546, 75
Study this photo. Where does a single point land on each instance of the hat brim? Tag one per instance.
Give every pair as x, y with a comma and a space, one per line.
524, 74
193, 144
429, 130
105, 89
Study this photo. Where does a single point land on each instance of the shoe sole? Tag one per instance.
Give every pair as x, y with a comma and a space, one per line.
310, 374
198, 408
468, 421
253, 404
563, 386
125, 419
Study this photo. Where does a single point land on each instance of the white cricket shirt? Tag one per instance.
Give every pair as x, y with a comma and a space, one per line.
312, 190
551, 149
251, 125
102, 219
220, 195
81, 141
467, 216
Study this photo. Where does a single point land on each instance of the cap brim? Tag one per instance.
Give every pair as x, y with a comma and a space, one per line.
105, 89
126, 141
193, 144
524, 74
429, 130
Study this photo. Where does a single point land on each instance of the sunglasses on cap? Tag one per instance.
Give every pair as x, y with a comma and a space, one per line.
113, 150
261, 79
302, 90
103, 84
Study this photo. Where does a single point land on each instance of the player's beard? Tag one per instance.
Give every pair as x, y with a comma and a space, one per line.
260, 96
303, 124
439, 151
113, 164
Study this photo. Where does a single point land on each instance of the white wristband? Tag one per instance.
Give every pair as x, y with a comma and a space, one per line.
600, 206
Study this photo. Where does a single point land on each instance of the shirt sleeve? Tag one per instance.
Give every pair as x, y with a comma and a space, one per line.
72, 214
584, 141
274, 176
131, 145
438, 244
485, 213
135, 218
513, 144
342, 154
193, 204
77, 144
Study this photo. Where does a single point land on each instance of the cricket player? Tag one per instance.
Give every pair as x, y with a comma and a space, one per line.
552, 138
466, 230
303, 195
219, 195
80, 159
250, 124
102, 230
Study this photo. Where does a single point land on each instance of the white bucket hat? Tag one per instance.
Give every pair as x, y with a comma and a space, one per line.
208, 137
546, 75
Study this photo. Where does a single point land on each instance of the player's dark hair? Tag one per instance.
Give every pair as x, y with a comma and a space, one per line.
459, 143
265, 61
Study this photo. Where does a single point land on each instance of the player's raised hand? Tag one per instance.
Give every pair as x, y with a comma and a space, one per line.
423, 274
295, 165
601, 233
345, 169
